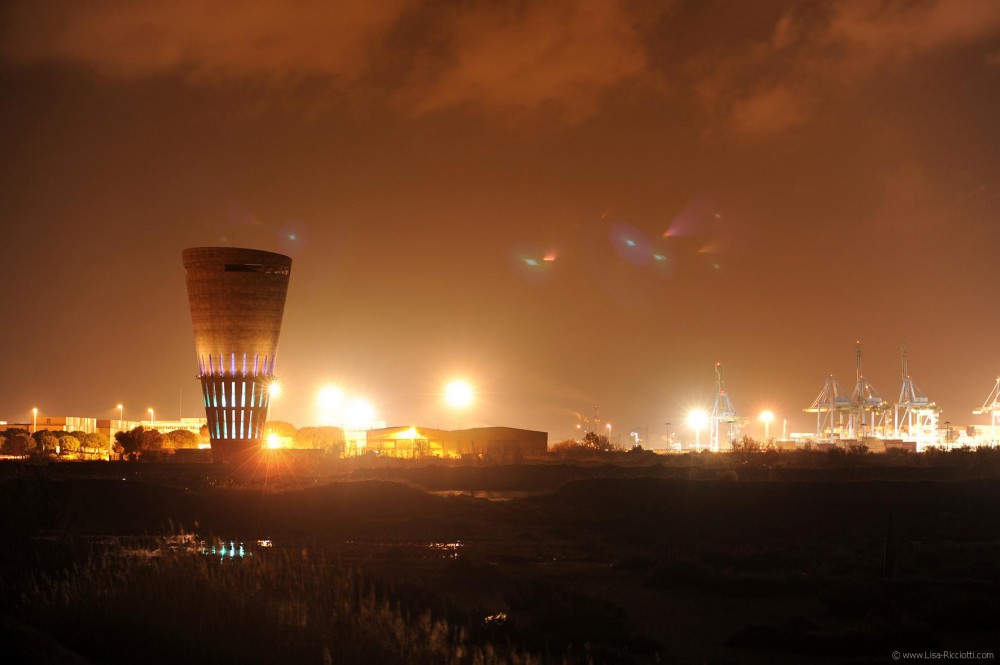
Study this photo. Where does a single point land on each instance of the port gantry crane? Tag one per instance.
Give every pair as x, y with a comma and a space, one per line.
914, 410
992, 407
830, 406
868, 408
722, 411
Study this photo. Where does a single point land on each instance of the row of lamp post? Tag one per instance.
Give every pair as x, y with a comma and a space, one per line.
698, 418
121, 422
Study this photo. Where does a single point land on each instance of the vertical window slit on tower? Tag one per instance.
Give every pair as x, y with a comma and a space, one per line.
243, 395
232, 363
256, 357
244, 364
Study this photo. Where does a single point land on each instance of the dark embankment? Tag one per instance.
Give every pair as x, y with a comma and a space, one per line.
611, 565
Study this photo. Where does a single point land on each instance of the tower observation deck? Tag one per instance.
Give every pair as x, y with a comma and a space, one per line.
237, 298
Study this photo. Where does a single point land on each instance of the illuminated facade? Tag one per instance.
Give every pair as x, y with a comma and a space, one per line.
496, 443
237, 298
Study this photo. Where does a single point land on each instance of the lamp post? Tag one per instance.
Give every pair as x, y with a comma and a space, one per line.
121, 424
34, 420
609, 434
766, 417
697, 419
152, 415
459, 394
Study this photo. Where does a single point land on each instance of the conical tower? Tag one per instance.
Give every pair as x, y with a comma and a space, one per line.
237, 299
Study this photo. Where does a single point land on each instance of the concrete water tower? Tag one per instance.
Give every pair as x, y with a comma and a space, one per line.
237, 299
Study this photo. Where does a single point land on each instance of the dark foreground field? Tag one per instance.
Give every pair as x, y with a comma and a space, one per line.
729, 561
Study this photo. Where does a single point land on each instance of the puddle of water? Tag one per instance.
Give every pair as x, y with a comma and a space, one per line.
487, 495
447, 550
225, 549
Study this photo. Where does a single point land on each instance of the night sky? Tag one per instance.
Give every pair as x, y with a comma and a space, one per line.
757, 183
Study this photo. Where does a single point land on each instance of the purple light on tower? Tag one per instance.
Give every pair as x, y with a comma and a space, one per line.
237, 298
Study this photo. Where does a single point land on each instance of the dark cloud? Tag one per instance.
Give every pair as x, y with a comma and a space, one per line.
777, 81
499, 57
518, 57
223, 39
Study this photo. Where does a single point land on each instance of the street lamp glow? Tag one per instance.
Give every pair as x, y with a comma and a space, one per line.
274, 388
330, 400
697, 419
273, 441
459, 394
152, 416
34, 420
359, 414
766, 417
329, 397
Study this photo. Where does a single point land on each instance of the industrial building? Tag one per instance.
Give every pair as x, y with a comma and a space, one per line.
237, 300
493, 443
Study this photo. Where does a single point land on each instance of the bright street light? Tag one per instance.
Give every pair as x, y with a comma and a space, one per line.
330, 400
459, 395
273, 441
34, 420
121, 424
697, 419
274, 388
359, 414
766, 417
152, 417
